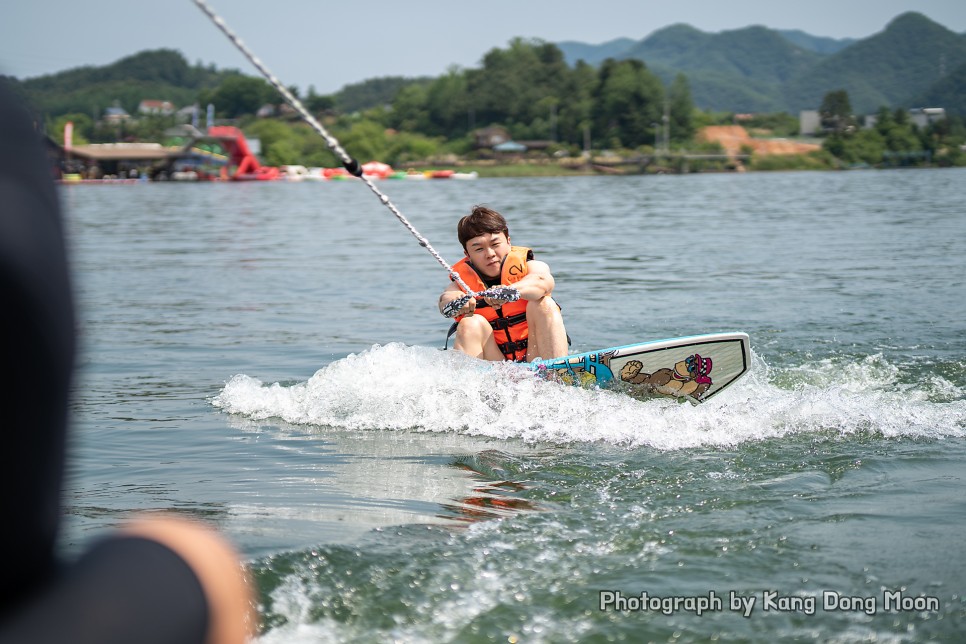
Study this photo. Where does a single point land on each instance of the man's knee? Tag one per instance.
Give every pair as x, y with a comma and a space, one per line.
472, 326
545, 306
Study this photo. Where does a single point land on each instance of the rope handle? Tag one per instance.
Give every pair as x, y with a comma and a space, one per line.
503, 294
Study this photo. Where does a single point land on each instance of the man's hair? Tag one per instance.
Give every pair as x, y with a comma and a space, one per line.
480, 221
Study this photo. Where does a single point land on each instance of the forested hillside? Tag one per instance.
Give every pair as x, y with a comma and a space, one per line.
949, 90
679, 73
162, 74
758, 69
890, 68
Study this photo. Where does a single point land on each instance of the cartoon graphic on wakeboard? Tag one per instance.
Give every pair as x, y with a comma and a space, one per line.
677, 367
689, 377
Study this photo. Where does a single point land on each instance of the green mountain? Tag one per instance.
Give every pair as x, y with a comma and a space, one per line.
818, 44
949, 92
374, 92
889, 68
740, 70
161, 74
757, 69
164, 74
672, 46
753, 52
595, 54
913, 62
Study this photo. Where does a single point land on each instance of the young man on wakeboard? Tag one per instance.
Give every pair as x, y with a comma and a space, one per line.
522, 322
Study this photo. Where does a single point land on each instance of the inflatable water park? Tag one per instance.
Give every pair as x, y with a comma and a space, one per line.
223, 153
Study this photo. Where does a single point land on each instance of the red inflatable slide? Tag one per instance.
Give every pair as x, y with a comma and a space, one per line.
242, 164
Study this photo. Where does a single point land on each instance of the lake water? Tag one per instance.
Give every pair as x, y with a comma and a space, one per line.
266, 357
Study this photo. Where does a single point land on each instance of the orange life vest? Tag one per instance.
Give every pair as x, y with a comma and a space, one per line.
509, 322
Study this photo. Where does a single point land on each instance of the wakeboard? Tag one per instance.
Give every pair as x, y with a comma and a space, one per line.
693, 368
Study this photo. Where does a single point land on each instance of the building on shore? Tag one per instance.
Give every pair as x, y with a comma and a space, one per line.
222, 153
116, 160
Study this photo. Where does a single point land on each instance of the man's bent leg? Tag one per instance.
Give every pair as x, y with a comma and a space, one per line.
548, 336
474, 337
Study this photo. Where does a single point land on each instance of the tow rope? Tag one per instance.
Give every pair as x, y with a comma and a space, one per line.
505, 293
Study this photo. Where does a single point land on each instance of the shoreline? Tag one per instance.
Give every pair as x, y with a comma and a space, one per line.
538, 170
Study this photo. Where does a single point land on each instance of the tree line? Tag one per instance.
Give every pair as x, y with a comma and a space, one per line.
889, 137
529, 89
526, 88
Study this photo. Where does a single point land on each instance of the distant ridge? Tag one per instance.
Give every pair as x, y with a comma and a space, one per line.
912, 62
892, 67
595, 54
818, 44
758, 69
151, 73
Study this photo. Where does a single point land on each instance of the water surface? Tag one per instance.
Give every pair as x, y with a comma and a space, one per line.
266, 356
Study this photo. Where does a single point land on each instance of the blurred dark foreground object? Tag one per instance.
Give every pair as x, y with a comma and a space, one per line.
156, 580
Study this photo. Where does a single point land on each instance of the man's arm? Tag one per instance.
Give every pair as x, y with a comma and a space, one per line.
538, 282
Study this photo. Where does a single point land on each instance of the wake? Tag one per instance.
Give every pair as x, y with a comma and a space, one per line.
407, 388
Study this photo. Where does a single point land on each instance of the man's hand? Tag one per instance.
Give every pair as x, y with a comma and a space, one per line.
464, 305
497, 296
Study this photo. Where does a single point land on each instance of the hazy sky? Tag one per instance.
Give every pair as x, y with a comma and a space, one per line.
328, 43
